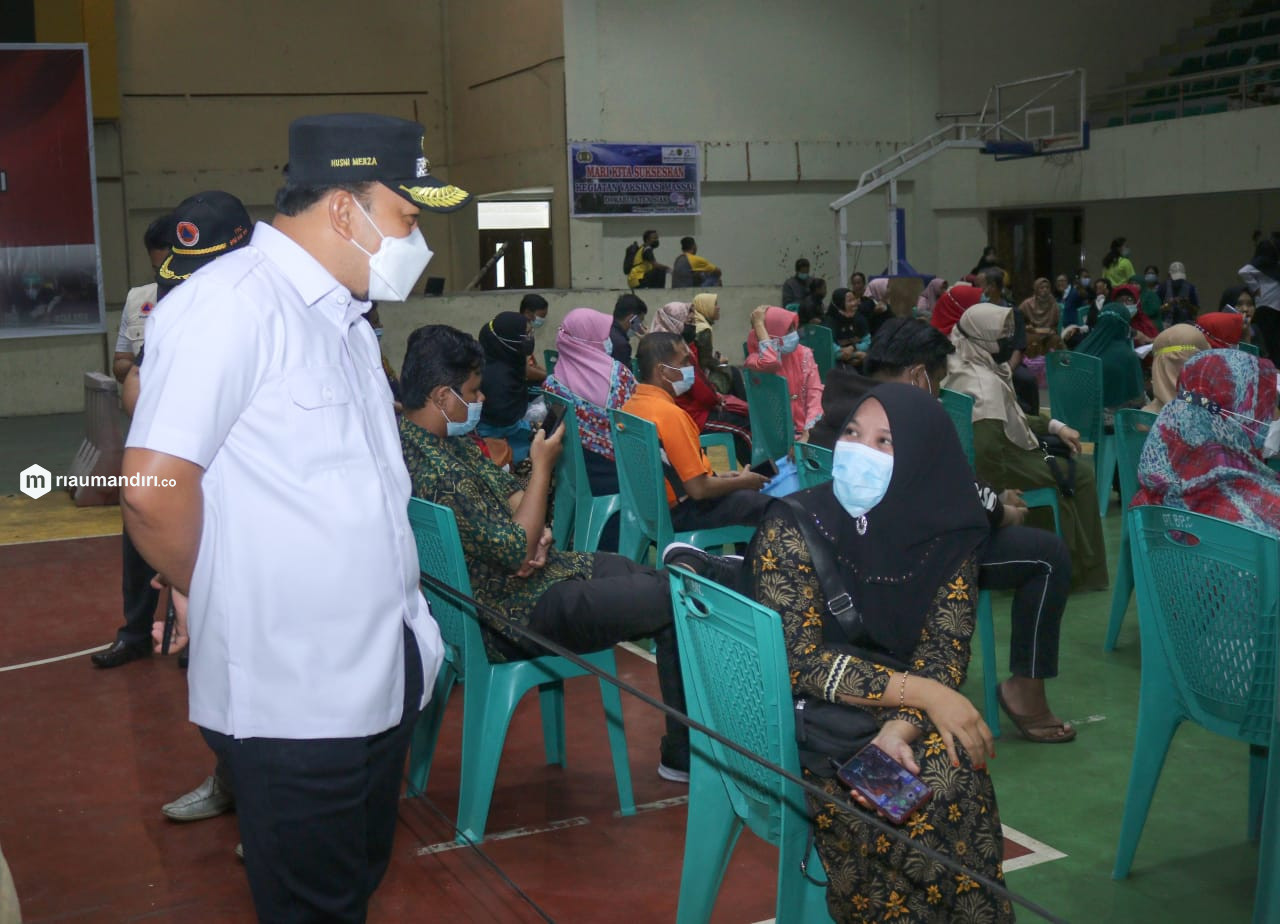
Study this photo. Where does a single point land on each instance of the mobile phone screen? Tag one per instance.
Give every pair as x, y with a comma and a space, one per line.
884, 782
766, 468
554, 416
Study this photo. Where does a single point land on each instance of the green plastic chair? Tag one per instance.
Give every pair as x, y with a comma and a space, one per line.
959, 408
736, 682
491, 692
1075, 394
818, 338
1132, 427
813, 463
769, 410
1249, 348
588, 513
646, 518
1266, 899
549, 358
1208, 602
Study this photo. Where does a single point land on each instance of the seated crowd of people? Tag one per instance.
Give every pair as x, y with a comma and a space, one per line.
917, 528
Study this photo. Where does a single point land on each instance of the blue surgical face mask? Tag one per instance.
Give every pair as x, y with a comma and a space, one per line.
790, 342
1086, 281
462, 428
860, 476
802, 276
608, 347
1150, 278
686, 378
1132, 309
538, 321
377, 332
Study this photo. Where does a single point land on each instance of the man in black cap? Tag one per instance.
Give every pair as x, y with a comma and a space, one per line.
265, 410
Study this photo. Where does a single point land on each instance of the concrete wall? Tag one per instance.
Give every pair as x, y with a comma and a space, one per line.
787, 119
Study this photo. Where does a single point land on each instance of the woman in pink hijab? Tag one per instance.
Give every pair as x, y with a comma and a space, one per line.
586, 375
773, 345
929, 297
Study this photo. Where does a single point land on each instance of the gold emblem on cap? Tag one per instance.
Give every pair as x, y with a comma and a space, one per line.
437, 197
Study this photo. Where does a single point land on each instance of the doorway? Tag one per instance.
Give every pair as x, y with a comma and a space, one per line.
521, 232
1037, 242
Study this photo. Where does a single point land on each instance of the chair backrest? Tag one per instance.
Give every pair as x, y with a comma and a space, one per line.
769, 409
737, 683
1250, 348
435, 529
640, 475
1132, 427
813, 464
571, 471
1208, 602
818, 338
959, 408
549, 358
1075, 392
720, 451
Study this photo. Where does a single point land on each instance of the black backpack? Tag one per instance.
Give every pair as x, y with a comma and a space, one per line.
629, 260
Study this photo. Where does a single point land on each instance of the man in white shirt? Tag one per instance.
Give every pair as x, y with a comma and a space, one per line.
264, 405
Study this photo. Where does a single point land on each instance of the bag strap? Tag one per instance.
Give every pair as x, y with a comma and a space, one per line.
1066, 482
839, 603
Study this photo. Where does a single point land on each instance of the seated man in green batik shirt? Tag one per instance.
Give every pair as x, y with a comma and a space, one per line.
584, 601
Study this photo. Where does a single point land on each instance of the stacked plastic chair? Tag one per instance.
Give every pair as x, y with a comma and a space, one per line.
1208, 602
1075, 394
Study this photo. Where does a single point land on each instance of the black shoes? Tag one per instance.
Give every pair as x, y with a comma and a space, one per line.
121, 653
725, 570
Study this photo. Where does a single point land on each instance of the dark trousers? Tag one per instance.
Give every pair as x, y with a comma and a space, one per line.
318, 816
1027, 389
140, 598
654, 279
741, 508
621, 602
1267, 321
1036, 565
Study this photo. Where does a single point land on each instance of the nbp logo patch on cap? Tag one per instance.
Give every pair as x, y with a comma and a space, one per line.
188, 234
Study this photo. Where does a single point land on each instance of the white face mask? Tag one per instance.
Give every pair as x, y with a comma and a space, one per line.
396, 265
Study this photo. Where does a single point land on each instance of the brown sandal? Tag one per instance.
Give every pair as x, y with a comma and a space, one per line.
1039, 728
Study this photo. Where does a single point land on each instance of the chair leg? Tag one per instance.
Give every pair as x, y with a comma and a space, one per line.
551, 698
1257, 789
612, 699
1121, 592
990, 670
1151, 746
487, 705
422, 748
711, 832
1104, 458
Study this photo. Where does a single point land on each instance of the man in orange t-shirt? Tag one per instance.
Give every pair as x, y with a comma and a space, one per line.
702, 499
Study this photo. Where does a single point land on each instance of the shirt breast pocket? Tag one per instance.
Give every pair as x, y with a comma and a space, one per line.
324, 418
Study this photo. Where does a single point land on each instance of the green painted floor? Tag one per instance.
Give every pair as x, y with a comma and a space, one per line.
1194, 862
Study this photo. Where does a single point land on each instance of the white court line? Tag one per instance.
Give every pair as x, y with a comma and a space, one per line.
638, 651
65, 657
1040, 852
444, 846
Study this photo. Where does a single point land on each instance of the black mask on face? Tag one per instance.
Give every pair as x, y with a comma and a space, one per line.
688, 333
1004, 351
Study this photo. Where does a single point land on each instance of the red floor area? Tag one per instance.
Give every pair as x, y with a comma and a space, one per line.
89, 756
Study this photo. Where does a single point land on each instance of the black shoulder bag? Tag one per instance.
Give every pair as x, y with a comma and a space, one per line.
828, 734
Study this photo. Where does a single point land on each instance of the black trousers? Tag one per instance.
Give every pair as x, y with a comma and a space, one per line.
1036, 565
318, 816
140, 598
1267, 321
741, 508
623, 601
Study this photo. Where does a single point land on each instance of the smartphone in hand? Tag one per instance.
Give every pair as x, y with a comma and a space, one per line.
555, 415
894, 790
766, 468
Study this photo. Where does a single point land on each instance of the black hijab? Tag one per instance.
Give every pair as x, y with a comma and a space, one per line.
1266, 258
927, 524
507, 347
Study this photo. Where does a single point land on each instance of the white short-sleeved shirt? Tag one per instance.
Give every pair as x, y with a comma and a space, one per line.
261, 371
138, 305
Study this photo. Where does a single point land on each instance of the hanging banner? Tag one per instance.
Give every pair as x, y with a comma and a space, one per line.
50, 270
634, 179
